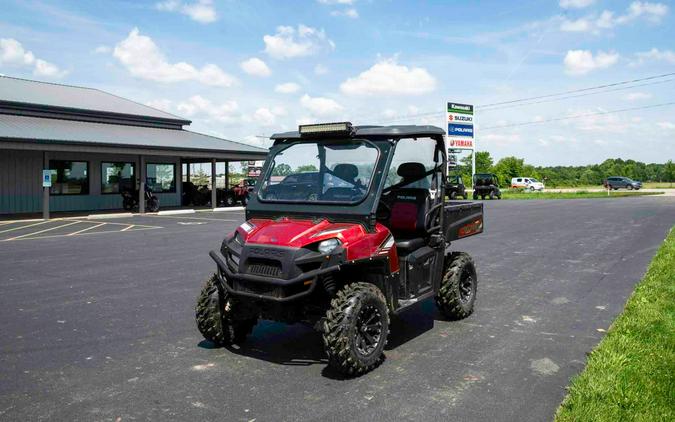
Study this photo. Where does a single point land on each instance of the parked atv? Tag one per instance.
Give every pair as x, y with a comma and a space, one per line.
486, 184
363, 244
130, 200
454, 187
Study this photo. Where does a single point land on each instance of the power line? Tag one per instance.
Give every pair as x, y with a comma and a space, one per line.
557, 119
577, 96
510, 103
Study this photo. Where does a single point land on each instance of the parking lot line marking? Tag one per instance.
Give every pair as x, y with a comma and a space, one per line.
191, 218
127, 228
136, 229
24, 227
42, 231
84, 230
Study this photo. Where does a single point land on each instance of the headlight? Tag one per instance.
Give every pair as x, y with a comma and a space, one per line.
328, 245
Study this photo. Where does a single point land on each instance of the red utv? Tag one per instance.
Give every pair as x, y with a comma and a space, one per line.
369, 240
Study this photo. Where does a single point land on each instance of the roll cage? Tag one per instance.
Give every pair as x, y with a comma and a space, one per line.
385, 139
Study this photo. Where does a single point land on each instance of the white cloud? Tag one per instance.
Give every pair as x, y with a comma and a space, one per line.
636, 96
102, 49
337, 1
321, 106
256, 67
141, 56
387, 77
201, 11
655, 54
227, 112
320, 69
13, 54
266, 117
160, 104
666, 125
575, 4
348, 13
579, 25
652, 12
289, 42
287, 88
580, 62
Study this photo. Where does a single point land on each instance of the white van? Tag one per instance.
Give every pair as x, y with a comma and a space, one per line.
526, 183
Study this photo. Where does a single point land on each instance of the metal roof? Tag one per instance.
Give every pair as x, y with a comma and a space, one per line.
25, 91
392, 131
44, 130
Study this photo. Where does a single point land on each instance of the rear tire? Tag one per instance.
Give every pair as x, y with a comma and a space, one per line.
221, 328
356, 328
229, 201
457, 294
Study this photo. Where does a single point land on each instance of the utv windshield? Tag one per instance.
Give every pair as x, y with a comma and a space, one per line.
322, 171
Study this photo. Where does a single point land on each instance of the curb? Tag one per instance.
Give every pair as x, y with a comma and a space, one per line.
174, 212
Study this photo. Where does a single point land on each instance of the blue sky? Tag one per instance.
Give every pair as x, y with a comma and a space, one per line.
242, 70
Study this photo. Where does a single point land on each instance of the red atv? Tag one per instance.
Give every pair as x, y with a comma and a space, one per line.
371, 239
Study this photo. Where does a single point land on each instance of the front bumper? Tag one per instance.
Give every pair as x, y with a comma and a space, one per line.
268, 288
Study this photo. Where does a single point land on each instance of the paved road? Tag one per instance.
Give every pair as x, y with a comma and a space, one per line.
100, 327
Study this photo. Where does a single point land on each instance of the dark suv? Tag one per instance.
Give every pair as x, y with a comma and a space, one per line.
616, 182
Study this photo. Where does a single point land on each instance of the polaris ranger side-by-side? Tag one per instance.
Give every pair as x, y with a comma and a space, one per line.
369, 240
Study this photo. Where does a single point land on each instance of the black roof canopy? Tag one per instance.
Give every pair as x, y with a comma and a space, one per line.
396, 131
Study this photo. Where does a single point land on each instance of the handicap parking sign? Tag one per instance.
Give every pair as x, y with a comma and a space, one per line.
46, 178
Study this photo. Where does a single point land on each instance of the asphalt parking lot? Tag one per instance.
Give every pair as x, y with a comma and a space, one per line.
101, 327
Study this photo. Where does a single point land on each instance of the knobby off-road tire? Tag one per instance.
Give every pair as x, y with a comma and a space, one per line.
220, 328
457, 294
356, 328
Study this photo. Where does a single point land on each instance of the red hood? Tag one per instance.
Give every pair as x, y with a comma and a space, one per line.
298, 233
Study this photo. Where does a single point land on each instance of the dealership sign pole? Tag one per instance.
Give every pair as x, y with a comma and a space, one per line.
460, 120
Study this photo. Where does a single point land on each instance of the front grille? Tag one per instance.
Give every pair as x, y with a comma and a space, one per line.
264, 267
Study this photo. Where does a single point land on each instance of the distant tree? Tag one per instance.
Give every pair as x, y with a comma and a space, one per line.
508, 168
282, 169
306, 167
669, 172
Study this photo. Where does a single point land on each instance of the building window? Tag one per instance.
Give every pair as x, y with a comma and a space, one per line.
117, 177
69, 177
161, 178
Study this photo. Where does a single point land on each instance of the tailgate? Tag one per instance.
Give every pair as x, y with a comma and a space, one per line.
462, 219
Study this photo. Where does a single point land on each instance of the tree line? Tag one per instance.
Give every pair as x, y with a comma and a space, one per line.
561, 176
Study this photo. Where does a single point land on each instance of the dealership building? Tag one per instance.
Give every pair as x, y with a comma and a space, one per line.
90, 145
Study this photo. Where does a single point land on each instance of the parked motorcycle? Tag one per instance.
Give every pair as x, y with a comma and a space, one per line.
130, 200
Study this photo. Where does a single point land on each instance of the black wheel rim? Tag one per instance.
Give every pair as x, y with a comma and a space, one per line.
368, 333
466, 286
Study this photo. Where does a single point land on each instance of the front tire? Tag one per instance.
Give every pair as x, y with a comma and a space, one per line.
221, 328
356, 328
453, 195
457, 294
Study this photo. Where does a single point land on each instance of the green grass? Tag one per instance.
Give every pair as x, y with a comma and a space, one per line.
630, 376
514, 194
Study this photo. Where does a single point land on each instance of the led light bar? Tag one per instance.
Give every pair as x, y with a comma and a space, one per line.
326, 129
